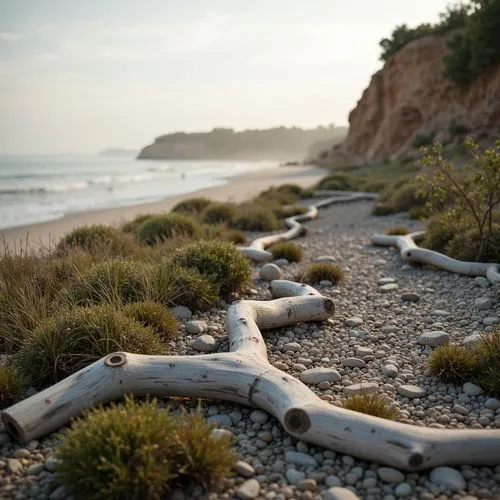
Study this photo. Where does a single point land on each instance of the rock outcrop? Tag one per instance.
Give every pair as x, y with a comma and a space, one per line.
409, 95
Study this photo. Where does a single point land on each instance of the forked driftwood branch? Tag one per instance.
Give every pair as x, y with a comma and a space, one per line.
411, 252
257, 249
245, 376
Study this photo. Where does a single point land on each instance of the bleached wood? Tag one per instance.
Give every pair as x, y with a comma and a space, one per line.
411, 252
257, 249
244, 376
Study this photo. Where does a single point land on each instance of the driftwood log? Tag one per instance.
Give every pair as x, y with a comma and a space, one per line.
257, 249
245, 376
411, 252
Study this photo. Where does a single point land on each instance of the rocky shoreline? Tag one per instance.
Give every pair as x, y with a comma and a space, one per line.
388, 316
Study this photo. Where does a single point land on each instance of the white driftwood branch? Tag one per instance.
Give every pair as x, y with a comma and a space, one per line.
244, 376
411, 252
257, 249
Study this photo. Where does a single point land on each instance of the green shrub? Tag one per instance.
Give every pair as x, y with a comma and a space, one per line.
218, 213
192, 205
322, 271
371, 404
398, 231
292, 210
282, 195
465, 246
112, 281
155, 316
138, 451
96, 238
220, 262
187, 286
134, 225
255, 218
451, 363
237, 237
422, 139
75, 338
163, 227
456, 128
287, 250
11, 385
401, 196
487, 355
340, 182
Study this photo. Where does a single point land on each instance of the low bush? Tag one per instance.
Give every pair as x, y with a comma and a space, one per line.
134, 225
187, 286
220, 262
287, 250
236, 236
75, 338
113, 281
398, 231
255, 218
457, 128
139, 451
401, 196
465, 246
218, 213
163, 227
487, 355
422, 139
96, 238
11, 385
340, 182
451, 363
192, 205
371, 404
282, 195
292, 210
155, 316
323, 271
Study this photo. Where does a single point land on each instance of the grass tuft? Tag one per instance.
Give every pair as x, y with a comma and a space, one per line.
255, 218
134, 225
75, 338
451, 363
323, 271
11, 385
163, 227
371, 404
94, 238
136, 450
287, 250
218, 213
155, 316
398, 231
236, 236
192, 206
487, 354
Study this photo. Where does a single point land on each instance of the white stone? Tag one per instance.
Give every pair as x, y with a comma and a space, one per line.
450, 478
491, 320
221, 433
248, 490
354, 321
434, 338
364, 351
325, 259
361, 388
270, 272
325, 283
353, 363
390, 475
402, 490
411, 391
472, 389
492, 404
389, 370
385, 281
181, 312
471, 340
483, 303
332, 481
299, 458
196, 327
292, 346
259, 417
318, 375
204, 343
481, 281
244, 469
294, 476
439, 312
389, 287
337, 493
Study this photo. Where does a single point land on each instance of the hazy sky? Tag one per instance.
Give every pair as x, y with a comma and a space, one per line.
83, 75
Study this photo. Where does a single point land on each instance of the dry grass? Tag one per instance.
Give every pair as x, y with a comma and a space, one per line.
451, 363
287, 250
371, 404
323, 271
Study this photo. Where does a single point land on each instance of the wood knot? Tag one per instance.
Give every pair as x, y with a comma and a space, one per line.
415, 460
297, 421
329, 306
115, 359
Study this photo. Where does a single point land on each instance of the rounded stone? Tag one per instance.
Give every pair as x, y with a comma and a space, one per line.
294, 476
411, 391
410, 297
196, 327
299, 458
390, 475
354, 321
317, 375
483, 303
434, 338
204, 343
259, 416
472, 389
248, 490
353, 363
270, 272
244, 469
338, 493
389, 370
181, 312
361, 388
221, 420
402, 490
448, 477
389, 287
325, 258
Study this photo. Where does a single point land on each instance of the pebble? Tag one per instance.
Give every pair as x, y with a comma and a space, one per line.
259, 416
472, 389
434, 338
59, 493
390, 475
292, 346
354, 321
181, 312
491, 320
361, 388
411, 391
364, 351
281, 262
353, 363
34, 469
471, 340
307, 485
389, 370
221, 433
248, 490
270, 272
402, 490
317, 375
492, 404
326, 283
222, 420
325, 259
244, 469
14, 465
294, 476
385, 281
461, 410
299, 458
337, 493
196, 327
483, 303
332, 481
389, 287
51, 463
481, 281
204, 343
410, 297
448, 477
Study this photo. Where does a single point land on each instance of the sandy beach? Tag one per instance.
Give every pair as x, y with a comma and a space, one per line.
237, 189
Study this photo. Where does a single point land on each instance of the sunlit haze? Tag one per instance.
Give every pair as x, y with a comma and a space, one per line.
80, 76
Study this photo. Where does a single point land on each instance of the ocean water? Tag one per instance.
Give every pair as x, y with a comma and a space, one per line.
41, 188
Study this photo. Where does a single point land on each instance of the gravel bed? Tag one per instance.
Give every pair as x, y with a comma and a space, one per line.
388, 316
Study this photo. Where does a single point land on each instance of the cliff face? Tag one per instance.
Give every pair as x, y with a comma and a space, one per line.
409, 95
